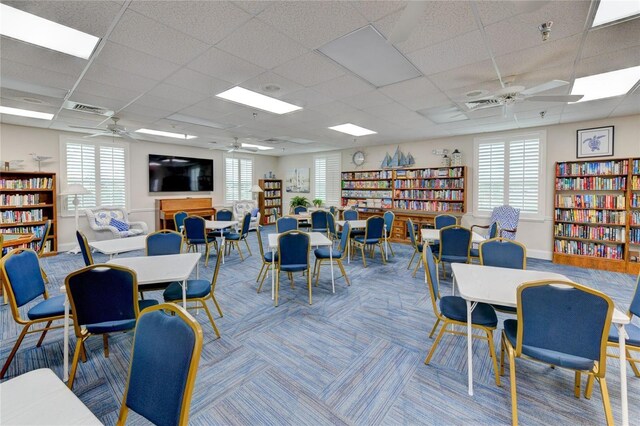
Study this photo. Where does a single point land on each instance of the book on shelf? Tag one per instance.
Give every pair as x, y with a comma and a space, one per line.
33, 183
612, 167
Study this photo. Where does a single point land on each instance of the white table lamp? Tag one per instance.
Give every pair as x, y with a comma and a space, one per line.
75, 190
255, 189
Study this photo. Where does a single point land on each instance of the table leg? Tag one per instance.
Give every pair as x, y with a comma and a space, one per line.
273, 278
333, 282
222, 243
470, 307
386, 244
198, 271
184, 294
622, 336
65, 348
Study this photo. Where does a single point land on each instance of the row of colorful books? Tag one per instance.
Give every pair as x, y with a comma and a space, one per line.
583, 248
19, 199
591, 216
592, 183
33, 183
19, 216
591, 201
615, 167
614, 234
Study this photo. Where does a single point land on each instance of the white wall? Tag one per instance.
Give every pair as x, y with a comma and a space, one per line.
17, 142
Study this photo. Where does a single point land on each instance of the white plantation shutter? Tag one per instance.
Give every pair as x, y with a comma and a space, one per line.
524, 175
246, 178
238, 177
81, 170
490, 175
112, 176
327, 178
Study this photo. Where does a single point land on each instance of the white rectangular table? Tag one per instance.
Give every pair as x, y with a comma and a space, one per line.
499, 286
119, 245
220, 225
317, 239
149, 270
39, 397
361, 224
430, 234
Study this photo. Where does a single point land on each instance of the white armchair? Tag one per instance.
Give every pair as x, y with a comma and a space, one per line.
240, 208
99, 219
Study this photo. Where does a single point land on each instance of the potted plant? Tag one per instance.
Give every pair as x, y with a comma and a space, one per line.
317, 202
299, 201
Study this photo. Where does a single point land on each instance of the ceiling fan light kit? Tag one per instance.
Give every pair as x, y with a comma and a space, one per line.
545, 30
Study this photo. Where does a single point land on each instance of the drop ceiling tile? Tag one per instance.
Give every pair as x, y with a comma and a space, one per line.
208, 21
343, 87
605, 40
177, 94
261, 44
92, 99
30, 98
30, 74
626, 109
224, 66
252, 7
453, 53
261, 82
77, 118
162, 103
141, 33
32, 55
197, 82
492, 11
102, 73
313, 23
19, 103
468, 75
333, 109
134, 61
421, 102
395, 113
212, 108
308, 98
367, 99
107, 91
611, 61
543, 75
409, 89
375, 10
310, 69
488, 87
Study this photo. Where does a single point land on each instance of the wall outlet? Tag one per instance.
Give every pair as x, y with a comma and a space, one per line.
440, 152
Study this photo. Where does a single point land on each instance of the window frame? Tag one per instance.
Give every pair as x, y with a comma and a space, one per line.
508, 139
325, 156
224, 175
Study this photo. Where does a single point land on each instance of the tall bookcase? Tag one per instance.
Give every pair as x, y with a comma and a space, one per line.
27, 201
591, 207
633, 258
270, 199
373, 185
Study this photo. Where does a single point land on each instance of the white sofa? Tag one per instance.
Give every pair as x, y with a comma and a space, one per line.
240, 208
99, 218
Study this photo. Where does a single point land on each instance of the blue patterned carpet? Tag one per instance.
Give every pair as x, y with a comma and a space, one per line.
354, 357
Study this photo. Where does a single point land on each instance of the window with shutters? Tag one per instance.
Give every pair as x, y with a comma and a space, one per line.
101, 167
508, 170
327, 178
238, 178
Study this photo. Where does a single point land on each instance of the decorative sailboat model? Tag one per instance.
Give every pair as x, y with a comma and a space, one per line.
398, 160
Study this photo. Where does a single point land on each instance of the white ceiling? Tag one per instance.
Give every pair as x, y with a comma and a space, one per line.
171, 57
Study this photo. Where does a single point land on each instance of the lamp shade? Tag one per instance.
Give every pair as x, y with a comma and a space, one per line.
75, 189
256, 188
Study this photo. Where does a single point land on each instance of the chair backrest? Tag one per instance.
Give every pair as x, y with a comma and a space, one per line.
331, 223
375, 227
493, 230
293, 248
565, 317
444, 220
45, 234
224, 214
344, 238
84, 248
246, 223
299, 209
389, 217
332, 210
319, 219
634, 307
178, 219
274, 212
22, 279
412, 233
164, 360
503, 253
285, 224
350, 214
194, 227
259, 234
102, 293
163, 242
431, 273
507, 218
455, 240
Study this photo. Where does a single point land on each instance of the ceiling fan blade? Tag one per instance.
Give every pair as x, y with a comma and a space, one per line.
95, 135
128, 137
411, 16
544, 87
86, 128
555, 98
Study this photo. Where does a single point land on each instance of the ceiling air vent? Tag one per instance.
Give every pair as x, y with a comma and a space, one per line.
89, 109
482, 103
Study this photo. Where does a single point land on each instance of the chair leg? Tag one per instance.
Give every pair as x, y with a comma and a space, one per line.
415, 271
206, 255
105, 343
605, 401
364, 261
502, 355
213, 324
588, 389
44, 275
318, 267
260, 273
632, 363
494, 357
435, 344
23, 333
266, 272
237, 244
44, 333
384, 258
514, 395
309, 285
248, 248
215, 302
434, 328
74, 363
341, 265
411, 260
577, 384
277, 289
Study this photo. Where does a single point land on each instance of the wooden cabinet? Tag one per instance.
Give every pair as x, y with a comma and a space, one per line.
269, 199
400, 231
27, 201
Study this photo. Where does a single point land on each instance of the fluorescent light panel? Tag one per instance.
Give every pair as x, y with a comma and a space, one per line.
166, 134
366, 53
259, 147
352, 129
25, 113
606, 85
257, 100
33, 29
614, 10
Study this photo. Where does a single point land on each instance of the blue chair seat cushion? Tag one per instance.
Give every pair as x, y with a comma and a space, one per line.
51, 307
361, 240
268, 257
455, 308
121, 325
196, 289
233, 236
319, 229
507, 309
294, 268
197, 241
327, 252
453, 259
213, 234
546, 355
633, 331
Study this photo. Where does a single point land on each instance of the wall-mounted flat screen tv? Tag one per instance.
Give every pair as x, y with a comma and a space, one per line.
170, 173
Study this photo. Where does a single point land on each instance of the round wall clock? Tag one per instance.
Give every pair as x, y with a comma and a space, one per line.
358, 158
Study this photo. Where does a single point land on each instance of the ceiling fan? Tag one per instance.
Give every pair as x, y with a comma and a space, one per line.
113, 130
237, 146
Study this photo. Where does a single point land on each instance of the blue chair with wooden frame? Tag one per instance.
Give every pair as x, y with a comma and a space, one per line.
439, 222
178, 220
331, 227
503, 253
164, 360
563, 324
234, 237
222, 215
285, 224
455, 244
302, 223
373, 236
103, 299
319, 221
23, 283
196, 234
452, 311
417, 247
632, 330
389, 218
198, 291
266, 256
274, 213
333, 210
324, 254
293, 256
163, 242
46, 231
352, 214
474, 253
84, 248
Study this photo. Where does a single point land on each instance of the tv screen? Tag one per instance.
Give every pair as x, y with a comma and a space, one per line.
169, 173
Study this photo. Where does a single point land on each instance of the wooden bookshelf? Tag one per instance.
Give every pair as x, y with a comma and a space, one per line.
633, 255
27, 201
270, 199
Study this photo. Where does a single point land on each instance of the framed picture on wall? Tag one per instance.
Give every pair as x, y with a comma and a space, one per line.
596, 142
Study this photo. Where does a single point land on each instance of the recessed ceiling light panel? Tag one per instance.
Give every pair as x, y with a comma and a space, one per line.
166, 134
259, 147
353, 130
257, 100
615, 10
25, 113
606, 85
33, 29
